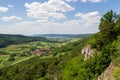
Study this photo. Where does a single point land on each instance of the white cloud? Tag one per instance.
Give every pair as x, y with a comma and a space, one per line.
11, 18
83, 23
3, 9
48, 27
17, 29
94, 1
71, 0
83, 0
52, 9
91, 17
10, 6
26, 23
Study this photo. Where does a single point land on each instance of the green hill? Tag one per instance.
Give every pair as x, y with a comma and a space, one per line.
45, 68
63, 35
7, 39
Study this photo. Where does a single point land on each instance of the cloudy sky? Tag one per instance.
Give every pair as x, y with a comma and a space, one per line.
53, 16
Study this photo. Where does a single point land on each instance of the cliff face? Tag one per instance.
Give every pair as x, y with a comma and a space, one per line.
108, 73
87, 51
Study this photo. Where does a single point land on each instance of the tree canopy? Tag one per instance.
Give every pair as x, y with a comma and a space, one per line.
109, 28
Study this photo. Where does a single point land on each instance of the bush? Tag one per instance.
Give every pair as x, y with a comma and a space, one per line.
11, 58
117, 73
74, 70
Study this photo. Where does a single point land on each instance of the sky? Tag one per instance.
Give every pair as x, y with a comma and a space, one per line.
28, 17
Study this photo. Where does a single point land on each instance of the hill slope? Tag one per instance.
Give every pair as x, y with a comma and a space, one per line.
49, 68
7, 39
63, 35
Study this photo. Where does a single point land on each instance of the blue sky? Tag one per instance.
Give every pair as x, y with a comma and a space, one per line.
29, 17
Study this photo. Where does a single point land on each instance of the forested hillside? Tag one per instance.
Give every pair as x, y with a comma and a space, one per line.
38, 68
7, 39
63, 35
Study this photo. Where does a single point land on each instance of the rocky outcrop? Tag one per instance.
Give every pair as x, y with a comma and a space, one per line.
108, 73
87, 51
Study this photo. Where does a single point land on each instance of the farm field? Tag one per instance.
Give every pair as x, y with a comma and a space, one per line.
16, 53
13, 54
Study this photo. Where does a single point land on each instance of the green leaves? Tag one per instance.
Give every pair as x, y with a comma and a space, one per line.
109, 29
74, 70
117, 73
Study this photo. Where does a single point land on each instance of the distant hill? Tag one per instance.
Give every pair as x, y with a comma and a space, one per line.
62, 35
8, 39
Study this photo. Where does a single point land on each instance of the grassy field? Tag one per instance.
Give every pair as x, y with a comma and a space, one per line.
18, 51
13, 54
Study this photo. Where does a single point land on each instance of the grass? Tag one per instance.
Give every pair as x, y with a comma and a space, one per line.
19, 49
4, 57
6, 63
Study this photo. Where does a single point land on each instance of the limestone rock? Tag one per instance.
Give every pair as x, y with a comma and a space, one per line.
87, 51
108, 73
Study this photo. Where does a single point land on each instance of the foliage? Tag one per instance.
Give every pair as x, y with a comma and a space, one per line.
94, 66
117, 73
117, 26
91, 41
74, 70
106, 27
11, 58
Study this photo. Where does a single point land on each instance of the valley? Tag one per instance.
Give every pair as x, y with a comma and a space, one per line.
59, 40
13, 54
